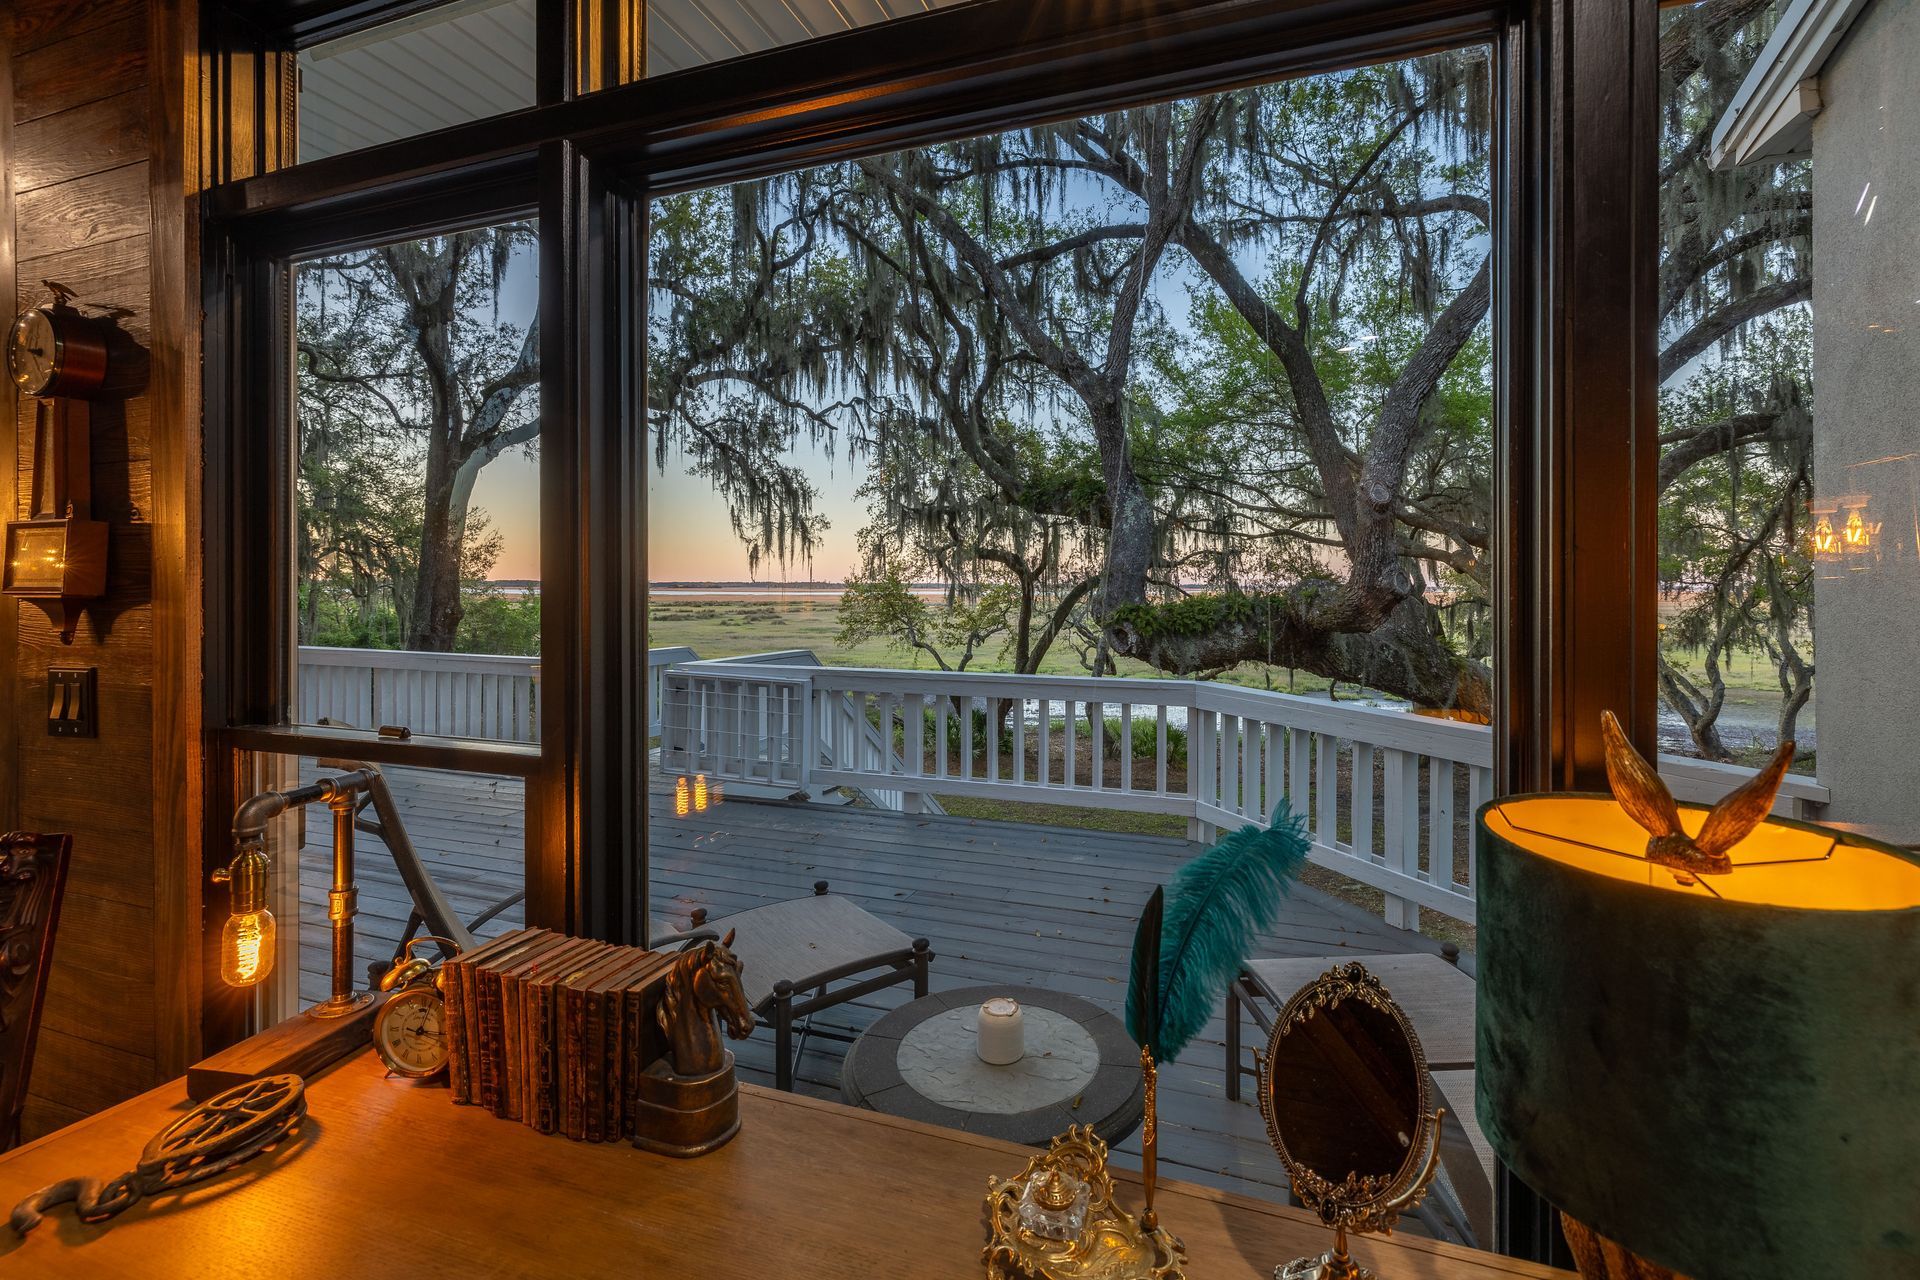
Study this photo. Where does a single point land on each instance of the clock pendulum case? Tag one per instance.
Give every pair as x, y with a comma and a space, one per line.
57, 557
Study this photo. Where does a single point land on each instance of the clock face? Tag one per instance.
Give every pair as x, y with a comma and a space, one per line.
32, 351
411, 1032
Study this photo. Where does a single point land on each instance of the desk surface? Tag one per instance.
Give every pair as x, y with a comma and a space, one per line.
389, 1177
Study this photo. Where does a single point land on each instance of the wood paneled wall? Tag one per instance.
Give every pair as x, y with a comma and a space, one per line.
96, 142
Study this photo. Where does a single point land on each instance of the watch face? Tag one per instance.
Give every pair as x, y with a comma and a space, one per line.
411, 1033
32, 351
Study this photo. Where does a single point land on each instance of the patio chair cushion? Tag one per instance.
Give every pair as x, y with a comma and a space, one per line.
1437, 997
796, 939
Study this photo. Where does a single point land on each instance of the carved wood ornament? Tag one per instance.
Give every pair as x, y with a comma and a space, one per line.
33, 873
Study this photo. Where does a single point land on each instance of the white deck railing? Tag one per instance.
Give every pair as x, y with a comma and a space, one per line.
1386, 796
455, 695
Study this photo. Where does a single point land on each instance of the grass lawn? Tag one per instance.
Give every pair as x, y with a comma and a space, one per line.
727, 627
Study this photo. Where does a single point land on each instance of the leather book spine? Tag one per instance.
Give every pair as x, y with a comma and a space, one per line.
540, 1035
510, 1048
573, 1085
631, 1066
593, 1097
487, 1000
457, 1060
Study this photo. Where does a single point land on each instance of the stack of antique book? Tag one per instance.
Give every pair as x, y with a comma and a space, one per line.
552, 1031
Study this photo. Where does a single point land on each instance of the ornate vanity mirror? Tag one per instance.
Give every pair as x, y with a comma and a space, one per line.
1343, 1088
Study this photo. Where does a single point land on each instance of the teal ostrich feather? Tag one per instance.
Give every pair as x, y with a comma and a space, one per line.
1216, 907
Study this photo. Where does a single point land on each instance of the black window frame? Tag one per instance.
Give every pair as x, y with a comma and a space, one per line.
1576, 382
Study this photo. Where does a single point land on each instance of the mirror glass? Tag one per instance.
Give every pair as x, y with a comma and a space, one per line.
1344, 1092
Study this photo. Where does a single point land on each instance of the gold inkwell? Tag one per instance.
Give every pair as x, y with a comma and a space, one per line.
1057, 1220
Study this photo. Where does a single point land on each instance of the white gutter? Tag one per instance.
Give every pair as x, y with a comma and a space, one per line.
1771, 115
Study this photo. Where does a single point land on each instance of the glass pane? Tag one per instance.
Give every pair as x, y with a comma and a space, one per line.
418, 556
1791, 513
1031, 508
1738, 474
457, 62
466, 833
686, 33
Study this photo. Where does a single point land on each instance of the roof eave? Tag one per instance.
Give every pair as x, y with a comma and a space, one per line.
1771, 114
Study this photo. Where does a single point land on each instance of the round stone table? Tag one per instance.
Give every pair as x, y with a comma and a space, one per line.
1080, 1067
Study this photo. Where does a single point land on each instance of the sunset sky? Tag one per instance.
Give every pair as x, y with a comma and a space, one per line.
689, 538
688, 533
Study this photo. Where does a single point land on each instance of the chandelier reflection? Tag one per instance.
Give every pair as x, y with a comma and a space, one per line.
1859, 534
1825, 541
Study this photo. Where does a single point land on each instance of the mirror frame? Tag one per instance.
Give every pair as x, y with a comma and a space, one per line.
1359, 1202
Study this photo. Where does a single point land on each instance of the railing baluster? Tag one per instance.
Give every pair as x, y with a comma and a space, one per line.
1299, 779
1362, 802
1073, 727
1160, 747
917, 736
1326, 794
1479, 791
966, 739
1046, 744
940, 709
1126, 746
1019, 718
1440, 820
1249, 806
1403, 833
1230, 730
993, 741
1276, 749
1097, 737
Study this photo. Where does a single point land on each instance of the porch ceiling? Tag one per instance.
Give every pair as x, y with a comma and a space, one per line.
474, 59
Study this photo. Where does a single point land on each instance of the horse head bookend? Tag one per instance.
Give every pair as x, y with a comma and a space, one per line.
687, 1102
702, 992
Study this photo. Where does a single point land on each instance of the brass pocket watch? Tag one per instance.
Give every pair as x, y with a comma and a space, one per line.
410, 1031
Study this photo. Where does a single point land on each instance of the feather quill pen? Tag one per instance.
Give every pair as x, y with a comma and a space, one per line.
1143, 982
1217, 905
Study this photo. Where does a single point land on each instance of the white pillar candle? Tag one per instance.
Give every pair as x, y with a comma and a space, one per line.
1001, 1040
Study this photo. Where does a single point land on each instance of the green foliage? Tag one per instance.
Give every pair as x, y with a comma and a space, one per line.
1145, 742
1206, 613
495, 622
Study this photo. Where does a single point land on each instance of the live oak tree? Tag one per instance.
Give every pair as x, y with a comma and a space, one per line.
405, 342
1250, 334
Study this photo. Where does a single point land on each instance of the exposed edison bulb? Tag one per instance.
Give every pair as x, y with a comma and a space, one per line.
247, 940
699, 793
682, 797
247, 947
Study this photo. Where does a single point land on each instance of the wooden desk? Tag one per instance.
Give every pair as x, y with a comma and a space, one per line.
390, 1178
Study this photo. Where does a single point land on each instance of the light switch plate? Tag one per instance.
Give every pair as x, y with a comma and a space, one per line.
73, 702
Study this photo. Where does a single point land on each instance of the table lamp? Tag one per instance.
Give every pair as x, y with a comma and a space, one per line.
1703, 1046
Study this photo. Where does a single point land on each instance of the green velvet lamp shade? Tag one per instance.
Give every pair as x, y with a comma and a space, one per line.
1723, 1075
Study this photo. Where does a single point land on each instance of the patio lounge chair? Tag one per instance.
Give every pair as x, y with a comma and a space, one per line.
1438, 999
788, 949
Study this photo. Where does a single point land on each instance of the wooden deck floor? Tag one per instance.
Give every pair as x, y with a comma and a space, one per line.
1000, 903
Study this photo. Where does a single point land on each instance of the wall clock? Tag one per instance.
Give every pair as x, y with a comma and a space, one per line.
57, 557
